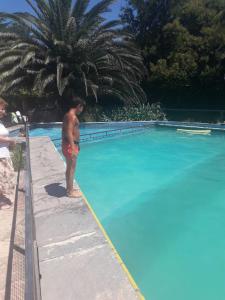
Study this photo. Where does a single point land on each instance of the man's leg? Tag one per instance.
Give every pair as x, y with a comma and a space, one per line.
70, 171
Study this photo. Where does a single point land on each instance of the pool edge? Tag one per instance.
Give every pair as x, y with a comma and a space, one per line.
115, 252
118, 257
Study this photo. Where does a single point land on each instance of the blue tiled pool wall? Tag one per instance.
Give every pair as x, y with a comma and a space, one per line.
98, 126
95, 132
94, 124
90, 131
132, 123
191, 125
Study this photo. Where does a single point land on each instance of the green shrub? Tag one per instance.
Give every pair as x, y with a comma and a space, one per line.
18, 159
144, 112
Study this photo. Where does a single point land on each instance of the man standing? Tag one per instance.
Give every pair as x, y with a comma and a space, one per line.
70, 143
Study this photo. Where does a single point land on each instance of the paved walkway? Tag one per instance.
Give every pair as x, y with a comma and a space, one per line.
5, 232
76, 261
12, 255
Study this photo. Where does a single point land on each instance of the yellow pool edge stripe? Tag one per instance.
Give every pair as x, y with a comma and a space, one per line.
119, 259
117, 256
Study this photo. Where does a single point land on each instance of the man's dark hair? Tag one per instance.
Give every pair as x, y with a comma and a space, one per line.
75, 101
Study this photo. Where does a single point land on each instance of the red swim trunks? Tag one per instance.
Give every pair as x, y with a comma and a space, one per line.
68, 152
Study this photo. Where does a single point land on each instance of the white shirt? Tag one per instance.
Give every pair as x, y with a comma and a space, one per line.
4, 150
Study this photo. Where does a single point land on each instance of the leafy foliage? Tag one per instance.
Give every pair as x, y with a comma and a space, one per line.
18, 159
183, 42
64, 46
3, 25
143, 112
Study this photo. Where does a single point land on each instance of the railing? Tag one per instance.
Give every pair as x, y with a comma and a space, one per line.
110, 133
32, 274
9, 286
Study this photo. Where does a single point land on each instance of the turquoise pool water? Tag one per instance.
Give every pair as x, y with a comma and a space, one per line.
55, 132
161, 197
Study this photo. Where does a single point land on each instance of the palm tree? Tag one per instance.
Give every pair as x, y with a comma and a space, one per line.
4, 26
64, 46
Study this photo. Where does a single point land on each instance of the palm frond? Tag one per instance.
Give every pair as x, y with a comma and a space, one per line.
4, 75
11, 85
26, 58
66, 46
79, 9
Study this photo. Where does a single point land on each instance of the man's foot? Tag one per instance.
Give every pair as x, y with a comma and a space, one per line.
74, 194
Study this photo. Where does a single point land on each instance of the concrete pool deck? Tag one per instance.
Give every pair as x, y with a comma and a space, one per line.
76, 259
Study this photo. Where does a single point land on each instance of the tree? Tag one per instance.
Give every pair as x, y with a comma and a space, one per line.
183, 42
3, 25
64, 46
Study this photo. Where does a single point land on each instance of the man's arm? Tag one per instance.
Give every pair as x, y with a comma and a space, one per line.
69, 129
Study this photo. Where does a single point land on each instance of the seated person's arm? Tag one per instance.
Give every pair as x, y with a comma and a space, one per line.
4, 139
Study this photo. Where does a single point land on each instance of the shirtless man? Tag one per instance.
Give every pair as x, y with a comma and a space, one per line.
70, 143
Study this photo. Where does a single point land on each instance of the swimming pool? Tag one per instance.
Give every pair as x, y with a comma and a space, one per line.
160, 196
